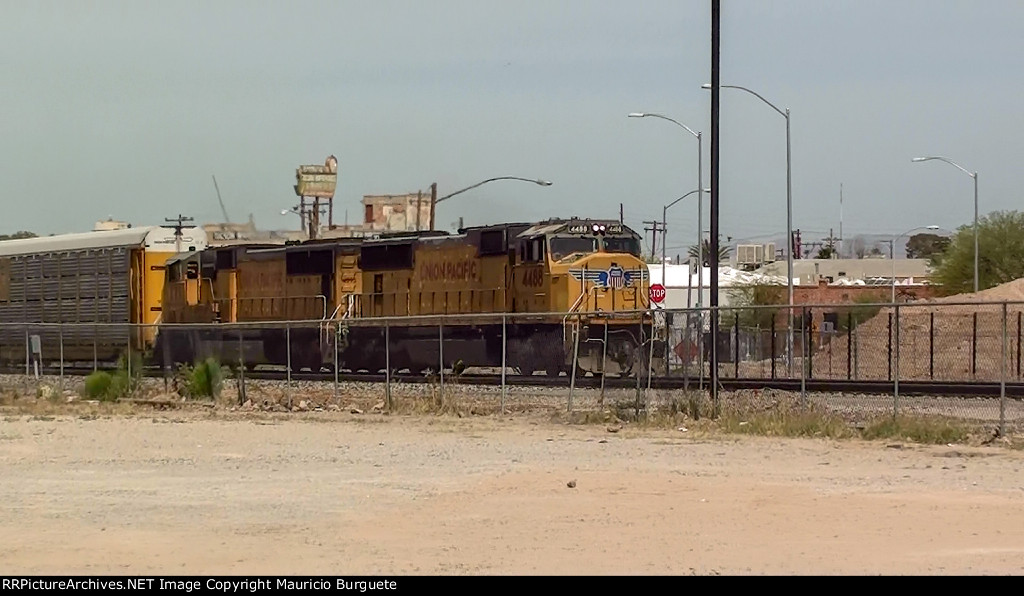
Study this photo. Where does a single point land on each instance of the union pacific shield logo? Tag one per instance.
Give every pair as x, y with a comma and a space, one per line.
614, 277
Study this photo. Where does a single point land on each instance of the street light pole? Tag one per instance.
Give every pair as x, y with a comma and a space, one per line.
789, 213
664, 226
972, 175
435, 201
700, 204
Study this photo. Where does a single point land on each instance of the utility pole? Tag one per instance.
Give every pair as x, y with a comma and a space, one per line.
655, 227
716, 42
178, 224
841, 246
830, 243
433, 203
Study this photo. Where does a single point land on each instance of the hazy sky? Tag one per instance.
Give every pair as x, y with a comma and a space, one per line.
127, 109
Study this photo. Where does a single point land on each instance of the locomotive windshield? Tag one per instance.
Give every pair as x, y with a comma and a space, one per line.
563, 248
626, 245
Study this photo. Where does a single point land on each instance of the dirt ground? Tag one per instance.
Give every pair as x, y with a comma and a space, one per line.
215, 492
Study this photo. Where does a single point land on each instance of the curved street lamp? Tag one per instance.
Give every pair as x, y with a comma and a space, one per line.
435, 201
789, 210
700, 205
972, 175
664, 215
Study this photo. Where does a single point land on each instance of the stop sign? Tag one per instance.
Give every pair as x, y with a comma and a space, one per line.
657, 293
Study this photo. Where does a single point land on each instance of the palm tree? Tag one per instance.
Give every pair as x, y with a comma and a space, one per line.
723, 251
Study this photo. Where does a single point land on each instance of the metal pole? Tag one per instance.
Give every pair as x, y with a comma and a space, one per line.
664, 238
700, 223
789, 232
1002, 377
736, 346
773, 344
504, 349
575, 355
288, 364
896, 365
1018, 342
849, 345
60, 336
975, 176
241, 370
337, 364
604, 360
95, 355
387, 365
974, 345
803, 359
440, 356
931, 345
888, 346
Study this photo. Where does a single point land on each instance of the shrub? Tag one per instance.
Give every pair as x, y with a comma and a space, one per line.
98, 385
204, 379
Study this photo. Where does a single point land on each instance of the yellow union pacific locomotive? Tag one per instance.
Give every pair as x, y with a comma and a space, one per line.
565, 287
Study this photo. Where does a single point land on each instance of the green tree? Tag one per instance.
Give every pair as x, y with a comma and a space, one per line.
825, 252
18, 235
927, 246
1000, 254
754, 304
723, 251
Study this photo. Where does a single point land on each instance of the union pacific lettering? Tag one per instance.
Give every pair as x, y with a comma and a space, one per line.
449, 271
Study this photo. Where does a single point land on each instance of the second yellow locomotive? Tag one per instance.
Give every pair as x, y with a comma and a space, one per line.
553, 290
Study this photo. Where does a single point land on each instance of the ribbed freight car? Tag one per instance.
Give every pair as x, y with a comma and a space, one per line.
91, 295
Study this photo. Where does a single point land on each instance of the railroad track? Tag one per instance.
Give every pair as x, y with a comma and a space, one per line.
1013, 390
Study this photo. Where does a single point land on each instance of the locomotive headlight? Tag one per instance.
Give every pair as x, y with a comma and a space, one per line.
596, 228
602, 229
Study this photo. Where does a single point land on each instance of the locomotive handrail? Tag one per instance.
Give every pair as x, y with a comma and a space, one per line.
565, 319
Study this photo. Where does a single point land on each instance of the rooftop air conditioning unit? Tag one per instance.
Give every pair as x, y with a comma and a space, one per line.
769, 252
749, 254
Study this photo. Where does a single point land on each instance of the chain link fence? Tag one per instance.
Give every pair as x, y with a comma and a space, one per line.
585, 362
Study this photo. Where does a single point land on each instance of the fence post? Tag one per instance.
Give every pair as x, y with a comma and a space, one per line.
668, 341
504, 350
241, 369
575, 355
1002, 376
440, 355
888, 348
931, 345
736, 346
849, 346
803, 357
60, 338
1018, 342
387, 364
896, 366
604, 361
773, 355
974, 345
856, 352
95, 354
337, 363
288, 363
810, 343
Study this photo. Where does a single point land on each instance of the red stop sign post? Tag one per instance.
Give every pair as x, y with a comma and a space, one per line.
657, 293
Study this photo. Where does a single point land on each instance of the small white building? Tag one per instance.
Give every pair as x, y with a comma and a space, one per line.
683, 286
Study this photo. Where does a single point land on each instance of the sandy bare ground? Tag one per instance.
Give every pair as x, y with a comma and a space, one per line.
336, 493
